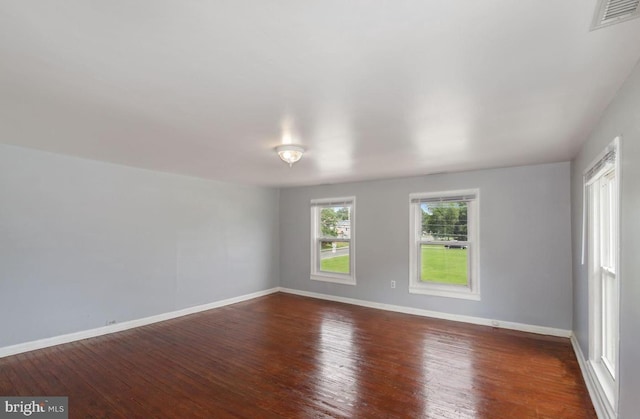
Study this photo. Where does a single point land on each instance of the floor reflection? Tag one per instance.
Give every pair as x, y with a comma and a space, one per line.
448, 373
337, 373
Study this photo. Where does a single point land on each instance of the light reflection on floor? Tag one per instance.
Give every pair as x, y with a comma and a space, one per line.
337, 380
442, 394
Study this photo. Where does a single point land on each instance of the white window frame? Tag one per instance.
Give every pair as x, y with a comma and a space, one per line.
602, 245
471, 291
316, 238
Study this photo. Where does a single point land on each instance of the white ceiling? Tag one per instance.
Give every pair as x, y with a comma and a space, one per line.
371, 88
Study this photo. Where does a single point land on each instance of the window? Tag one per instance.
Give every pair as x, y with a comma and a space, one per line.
444, 244
333, 240
601, 235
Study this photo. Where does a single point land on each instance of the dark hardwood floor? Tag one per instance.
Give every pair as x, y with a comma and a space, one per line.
290, 356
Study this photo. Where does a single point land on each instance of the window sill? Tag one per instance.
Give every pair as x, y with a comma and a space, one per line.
464, 294
336, 279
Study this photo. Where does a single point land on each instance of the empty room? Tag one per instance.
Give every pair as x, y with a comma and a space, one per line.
341, 209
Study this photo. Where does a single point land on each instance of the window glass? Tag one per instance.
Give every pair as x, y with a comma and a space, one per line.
333, 240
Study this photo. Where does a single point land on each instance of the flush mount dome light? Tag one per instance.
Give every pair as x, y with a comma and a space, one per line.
290, 153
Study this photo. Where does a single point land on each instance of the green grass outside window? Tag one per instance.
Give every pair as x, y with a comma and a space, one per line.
444, 266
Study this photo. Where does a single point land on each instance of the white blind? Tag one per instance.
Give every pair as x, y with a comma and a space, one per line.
335, 202
607, 162
449, 198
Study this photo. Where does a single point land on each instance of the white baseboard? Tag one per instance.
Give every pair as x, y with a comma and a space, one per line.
72, 337
118, 327
598, 398
541, 330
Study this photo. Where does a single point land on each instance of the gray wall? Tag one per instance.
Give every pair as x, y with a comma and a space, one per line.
621, 118
525, 242
83, 242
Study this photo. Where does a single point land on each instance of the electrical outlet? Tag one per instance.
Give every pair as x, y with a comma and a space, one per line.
393, 284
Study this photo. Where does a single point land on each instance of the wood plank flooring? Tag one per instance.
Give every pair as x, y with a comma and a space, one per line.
290, 356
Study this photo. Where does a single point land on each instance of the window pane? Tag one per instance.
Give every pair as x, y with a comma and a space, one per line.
335, 222
611, 196
609, 332
444, 221
445, 264
334, 257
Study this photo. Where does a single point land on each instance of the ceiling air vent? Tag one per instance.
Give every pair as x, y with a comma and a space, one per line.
609, 12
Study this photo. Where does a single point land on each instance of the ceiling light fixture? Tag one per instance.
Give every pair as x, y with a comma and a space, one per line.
290, 153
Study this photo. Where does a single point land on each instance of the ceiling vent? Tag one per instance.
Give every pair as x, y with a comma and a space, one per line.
610, 12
